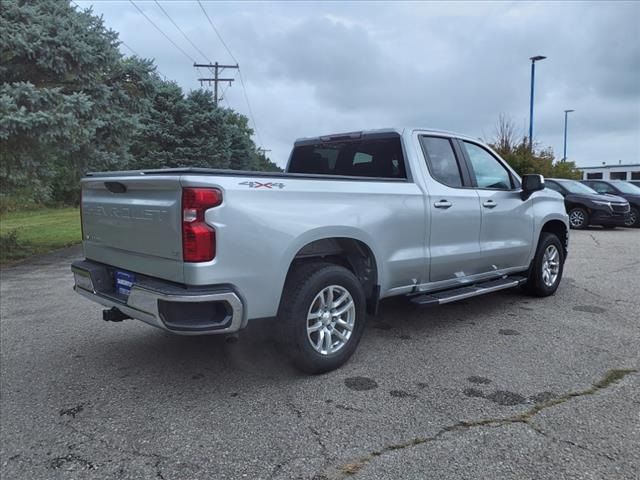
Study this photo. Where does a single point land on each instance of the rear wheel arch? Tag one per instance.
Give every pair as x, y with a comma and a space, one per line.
353, 254
318, 332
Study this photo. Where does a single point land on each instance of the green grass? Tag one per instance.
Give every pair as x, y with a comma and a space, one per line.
37, 231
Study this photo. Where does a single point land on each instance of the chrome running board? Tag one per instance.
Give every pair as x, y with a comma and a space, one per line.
460, 293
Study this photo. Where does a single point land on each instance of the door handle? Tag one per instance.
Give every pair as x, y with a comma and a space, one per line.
490, 204
442, 204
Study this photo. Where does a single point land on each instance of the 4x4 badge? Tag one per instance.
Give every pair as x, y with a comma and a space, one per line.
252, 184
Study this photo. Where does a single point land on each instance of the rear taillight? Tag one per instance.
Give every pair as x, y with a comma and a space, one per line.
198, 238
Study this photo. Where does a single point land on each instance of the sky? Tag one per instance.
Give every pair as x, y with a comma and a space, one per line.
312, 68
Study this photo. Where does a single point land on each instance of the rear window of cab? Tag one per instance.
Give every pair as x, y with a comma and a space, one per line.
372, 158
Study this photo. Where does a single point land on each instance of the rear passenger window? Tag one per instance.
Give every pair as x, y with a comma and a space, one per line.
442, 161
374, 157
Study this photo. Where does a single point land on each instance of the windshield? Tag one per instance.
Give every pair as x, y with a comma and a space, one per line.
576, 187
626, 187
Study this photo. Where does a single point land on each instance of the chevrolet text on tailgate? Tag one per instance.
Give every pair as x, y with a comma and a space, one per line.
356, 217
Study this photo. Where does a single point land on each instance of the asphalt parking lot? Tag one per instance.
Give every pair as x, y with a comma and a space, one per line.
501, 386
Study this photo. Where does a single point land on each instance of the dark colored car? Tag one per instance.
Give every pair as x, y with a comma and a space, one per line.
626, 190
587, 207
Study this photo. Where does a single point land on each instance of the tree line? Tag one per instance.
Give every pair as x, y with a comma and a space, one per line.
71, 102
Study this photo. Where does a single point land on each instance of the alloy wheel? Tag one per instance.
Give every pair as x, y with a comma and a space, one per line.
550, 265
576, 218
331, 319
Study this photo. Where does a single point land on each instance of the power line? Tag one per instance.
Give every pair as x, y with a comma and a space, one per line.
129, 47
244, 88
216, 31
137, 54
223, 93
182, 32
162, 32
246, 97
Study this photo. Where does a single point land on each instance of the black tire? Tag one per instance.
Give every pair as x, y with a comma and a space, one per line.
303, 285
580, 218
633, 220
535, 282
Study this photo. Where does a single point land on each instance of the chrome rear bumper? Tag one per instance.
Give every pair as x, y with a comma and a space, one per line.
177, 309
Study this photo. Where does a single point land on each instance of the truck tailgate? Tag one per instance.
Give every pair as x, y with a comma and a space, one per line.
134, 222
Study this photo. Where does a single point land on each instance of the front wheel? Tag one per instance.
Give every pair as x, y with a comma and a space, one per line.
322, 316
578, 218
547, 267
633, 219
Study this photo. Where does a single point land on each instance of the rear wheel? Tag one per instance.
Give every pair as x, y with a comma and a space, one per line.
322, 316
547, 266
578, 218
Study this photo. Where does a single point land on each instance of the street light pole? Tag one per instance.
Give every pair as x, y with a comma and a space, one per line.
533, 77
566, 114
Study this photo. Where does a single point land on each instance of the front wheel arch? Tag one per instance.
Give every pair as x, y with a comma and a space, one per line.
536, 283
560, 230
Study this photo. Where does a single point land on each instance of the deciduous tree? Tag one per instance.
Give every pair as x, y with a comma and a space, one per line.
515, 149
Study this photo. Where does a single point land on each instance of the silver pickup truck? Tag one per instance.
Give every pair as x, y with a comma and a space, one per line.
356, 217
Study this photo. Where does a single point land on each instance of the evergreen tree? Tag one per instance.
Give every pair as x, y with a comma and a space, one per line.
191, 131
70, 102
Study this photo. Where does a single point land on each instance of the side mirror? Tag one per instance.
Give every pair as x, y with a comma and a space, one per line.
531, 183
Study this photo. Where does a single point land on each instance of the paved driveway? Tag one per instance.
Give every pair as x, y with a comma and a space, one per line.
501, 386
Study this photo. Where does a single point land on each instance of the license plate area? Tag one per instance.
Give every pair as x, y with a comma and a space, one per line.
123, 282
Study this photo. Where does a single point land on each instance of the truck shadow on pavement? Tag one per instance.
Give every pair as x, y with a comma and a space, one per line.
129, 353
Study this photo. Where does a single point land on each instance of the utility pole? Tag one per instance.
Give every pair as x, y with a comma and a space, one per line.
217, 70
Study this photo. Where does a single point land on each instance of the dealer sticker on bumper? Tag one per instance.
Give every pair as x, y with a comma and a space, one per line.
124, 282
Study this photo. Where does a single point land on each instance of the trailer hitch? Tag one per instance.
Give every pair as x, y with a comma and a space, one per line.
114, 315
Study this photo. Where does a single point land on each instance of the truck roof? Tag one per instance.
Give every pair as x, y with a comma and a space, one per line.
376, 132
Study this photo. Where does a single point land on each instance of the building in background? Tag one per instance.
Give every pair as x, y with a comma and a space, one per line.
630, 171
